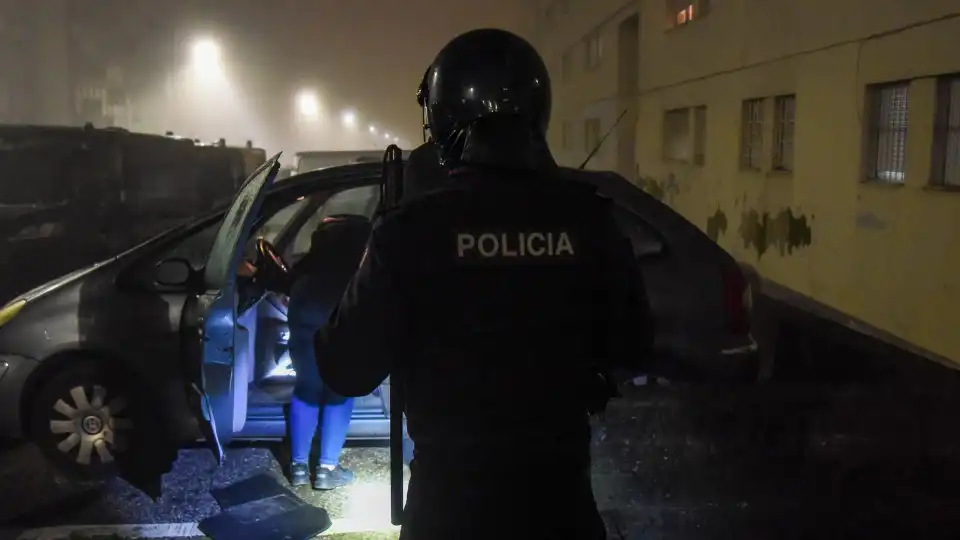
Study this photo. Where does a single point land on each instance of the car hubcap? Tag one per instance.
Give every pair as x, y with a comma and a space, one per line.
92, 425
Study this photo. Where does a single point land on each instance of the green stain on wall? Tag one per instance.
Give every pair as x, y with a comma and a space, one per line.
785, 231
651, 186
717, 225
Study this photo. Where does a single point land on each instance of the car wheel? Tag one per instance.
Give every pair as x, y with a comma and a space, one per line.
84, 421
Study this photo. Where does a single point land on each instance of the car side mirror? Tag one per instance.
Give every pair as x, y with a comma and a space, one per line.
175, 272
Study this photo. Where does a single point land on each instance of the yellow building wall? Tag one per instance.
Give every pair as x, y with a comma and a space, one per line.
887, 255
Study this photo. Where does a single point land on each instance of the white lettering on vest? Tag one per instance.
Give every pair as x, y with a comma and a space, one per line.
488, 245
532, 244
464, 243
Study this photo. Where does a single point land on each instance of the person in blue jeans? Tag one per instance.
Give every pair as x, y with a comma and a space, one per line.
319, 280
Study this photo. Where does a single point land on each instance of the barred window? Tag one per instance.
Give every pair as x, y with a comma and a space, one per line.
784, 112
591, 134
593, 51
566, 65
886, 149
676, 135
751, 136
700, 135
946, 157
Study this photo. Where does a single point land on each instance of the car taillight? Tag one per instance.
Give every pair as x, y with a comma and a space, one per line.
738, 301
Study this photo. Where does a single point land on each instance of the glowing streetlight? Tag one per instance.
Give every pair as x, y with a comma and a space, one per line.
349, 119
396, 139
205, 55
386, 136
308, 104
373, 130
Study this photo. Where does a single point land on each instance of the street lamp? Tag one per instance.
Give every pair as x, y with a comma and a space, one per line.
205, 55
373, 130
349, 119
386, 136
308, 104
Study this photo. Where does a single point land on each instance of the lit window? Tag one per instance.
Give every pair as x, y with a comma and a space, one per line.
680, 12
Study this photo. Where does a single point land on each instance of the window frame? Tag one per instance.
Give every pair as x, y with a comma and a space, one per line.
873, 133
667, 135
782, 126
680, 13
752, 134
592, 62
945, 135
589, 144
566, 64
566, 135
699, 136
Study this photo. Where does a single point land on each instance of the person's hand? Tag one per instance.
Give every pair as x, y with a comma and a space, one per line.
247, 269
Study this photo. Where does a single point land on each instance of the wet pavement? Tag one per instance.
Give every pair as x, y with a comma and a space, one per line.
830, 448
45, 499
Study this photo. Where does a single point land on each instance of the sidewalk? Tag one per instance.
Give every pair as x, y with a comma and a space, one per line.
850, 438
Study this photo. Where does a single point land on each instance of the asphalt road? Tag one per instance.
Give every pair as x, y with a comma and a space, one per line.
831, 448
45, 499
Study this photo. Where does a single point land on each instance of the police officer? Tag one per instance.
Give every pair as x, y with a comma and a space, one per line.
496, 300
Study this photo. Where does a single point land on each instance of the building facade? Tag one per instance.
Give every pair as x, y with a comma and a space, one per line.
817, 141
62, 66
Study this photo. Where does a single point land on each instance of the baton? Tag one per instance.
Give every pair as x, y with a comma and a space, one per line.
391, 192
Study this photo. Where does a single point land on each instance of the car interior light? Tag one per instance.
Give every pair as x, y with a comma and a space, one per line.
10, 311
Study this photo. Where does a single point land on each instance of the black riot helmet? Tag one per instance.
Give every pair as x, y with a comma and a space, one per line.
483, 74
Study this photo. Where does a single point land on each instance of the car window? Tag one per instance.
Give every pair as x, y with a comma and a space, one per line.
361, 201
221, 260
644, 238
196, 247
278, 221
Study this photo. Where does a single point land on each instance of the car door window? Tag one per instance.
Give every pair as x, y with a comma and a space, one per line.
218, 268
644, 239
360, 201
273, 226
196, 247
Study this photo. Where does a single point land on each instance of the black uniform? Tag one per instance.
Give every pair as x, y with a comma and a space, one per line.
497, 300
423, 173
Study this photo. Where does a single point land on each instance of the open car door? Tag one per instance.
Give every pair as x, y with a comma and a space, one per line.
209, 320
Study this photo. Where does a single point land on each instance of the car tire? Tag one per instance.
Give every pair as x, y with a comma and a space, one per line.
85, 420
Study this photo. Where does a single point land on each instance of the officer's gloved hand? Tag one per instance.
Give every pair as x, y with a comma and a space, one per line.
422, 172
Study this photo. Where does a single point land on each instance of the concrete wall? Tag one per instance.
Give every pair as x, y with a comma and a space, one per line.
887, 255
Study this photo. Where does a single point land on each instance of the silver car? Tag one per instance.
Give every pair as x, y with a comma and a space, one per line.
113, 367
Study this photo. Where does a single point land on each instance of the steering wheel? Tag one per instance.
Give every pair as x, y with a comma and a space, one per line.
267, 257
272, 272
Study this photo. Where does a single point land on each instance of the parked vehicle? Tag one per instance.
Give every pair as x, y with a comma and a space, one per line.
70, 196
320, 159
165, 343
251, 157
